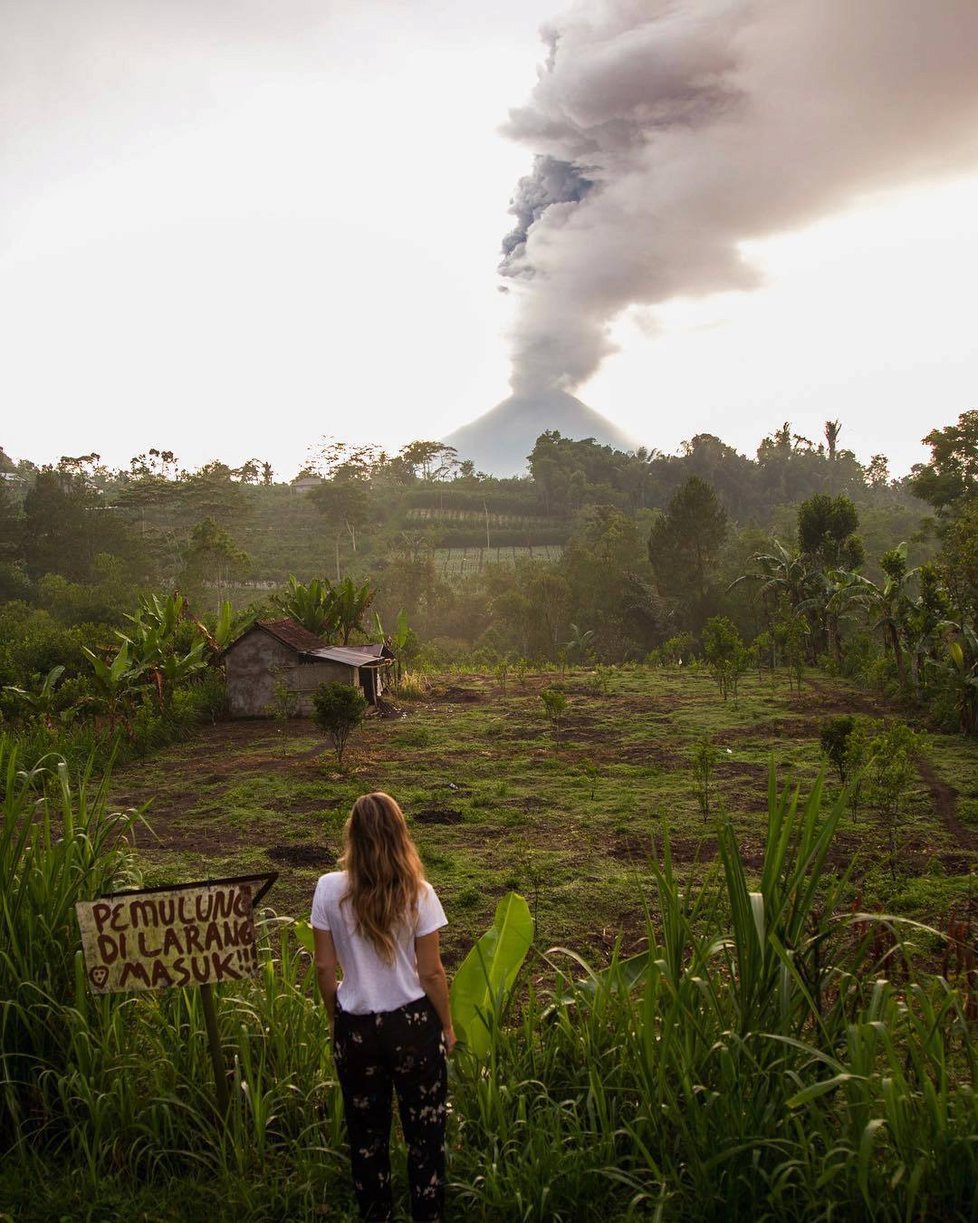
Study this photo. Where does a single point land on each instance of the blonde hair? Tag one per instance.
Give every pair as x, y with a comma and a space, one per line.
385, 875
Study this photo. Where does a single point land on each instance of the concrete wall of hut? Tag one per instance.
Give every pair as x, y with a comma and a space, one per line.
252, 667
257, 662
307, 677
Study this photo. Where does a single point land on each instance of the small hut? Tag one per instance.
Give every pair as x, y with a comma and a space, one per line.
282, 651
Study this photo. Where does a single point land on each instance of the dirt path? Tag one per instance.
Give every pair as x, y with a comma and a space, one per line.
945, 803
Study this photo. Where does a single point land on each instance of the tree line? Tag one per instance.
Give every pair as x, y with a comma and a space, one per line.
801, 548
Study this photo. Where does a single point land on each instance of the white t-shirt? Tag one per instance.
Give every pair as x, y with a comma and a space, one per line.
369, 983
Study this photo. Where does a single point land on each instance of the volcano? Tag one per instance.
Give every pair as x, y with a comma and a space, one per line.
499, 441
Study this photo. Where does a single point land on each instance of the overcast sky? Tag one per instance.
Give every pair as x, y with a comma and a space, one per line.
230, 227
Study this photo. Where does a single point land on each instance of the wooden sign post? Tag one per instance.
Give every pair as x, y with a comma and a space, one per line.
192, 934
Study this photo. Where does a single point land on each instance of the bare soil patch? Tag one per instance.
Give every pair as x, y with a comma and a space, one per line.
456, 695
783, 728
206, 837
437, 815
302, 855
742, 768
630, 849
528, 802
831, 700
608, 750
302, 806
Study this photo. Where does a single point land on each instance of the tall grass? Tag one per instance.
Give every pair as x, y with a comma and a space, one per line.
769, 1056
123, 1084
765, 1065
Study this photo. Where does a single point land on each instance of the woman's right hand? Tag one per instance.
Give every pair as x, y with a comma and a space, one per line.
450, 1039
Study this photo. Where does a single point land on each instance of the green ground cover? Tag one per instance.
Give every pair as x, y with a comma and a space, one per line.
769, 1052
497, 801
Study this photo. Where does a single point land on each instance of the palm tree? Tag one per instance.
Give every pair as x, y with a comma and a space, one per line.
788, 585
829, 603
890, 602
581, 643
782, 574
832, 430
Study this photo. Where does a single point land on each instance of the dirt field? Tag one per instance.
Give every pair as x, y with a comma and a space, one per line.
497, 801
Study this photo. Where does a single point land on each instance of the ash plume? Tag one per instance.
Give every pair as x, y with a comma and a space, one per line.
667, 133
552, 182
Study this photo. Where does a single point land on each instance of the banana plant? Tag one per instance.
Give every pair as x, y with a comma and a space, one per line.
959, 670
398, 638
486, 977
114, 682
152, 646
41, 702
351, 603
313, 606
396, 641
162, 614
176, 669
224, 625
580, 646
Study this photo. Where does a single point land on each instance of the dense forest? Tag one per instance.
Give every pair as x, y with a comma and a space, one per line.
621, 554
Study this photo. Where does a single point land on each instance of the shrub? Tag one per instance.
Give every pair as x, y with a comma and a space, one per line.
338, 710
676, 650
725, 653
791, 634
890, 769
859, 651
601, 679
554, 706
834, 737
704, 758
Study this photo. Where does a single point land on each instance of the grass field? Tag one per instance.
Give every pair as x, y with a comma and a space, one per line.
496, 802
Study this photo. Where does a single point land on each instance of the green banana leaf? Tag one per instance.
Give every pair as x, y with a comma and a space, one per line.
303, 933
488, 972
621, 975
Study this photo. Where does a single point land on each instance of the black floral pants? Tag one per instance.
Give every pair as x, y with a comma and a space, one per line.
403, 1049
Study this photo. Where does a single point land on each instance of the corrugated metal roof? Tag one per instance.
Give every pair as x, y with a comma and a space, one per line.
291, 633
351, 655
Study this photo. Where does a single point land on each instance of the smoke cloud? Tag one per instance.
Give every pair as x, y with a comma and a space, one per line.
552, 182
667, 133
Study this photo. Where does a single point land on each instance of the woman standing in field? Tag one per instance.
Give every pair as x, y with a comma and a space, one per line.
377, 919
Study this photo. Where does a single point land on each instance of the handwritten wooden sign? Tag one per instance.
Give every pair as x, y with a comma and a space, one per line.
191, 934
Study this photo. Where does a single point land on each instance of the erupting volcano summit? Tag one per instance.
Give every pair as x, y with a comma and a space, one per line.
500, 440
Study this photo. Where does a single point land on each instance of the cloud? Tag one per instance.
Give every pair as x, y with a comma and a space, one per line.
697, 126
